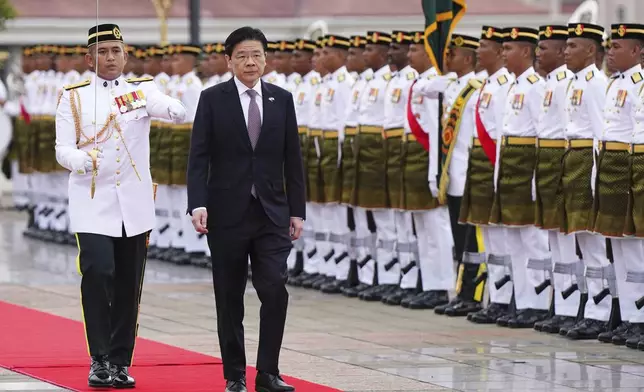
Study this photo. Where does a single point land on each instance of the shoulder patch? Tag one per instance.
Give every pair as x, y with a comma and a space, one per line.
139, 80
315, 80
534, 78
590, 75
411, 76
77, 85
164, 82
298, 80
561, 76
502, 80
636, 78
341, 78
368, 77
387, 76
475, 83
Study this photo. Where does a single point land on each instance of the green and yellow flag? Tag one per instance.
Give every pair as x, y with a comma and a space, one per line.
441, 17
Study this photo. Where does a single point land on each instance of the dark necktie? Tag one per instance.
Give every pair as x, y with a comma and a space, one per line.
254, 119
254, 125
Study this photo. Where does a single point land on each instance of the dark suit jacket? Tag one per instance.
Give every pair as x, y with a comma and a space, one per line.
223, 166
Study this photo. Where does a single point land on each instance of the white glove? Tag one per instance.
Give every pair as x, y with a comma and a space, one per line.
433, 188
534, 188
82, 163
177, 112
593, 178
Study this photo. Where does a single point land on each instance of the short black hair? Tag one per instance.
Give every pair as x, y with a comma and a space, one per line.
246, 33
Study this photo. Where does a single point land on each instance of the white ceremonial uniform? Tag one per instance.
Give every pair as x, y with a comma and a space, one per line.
123, 198
291, 82
303, 97
491, 108
433, 230
314, 211
162, 235
275, 78
620, 125
525, 242
353, 109
216, 79
552, 123
336, 97
399, 228
633, 286
585, 100
49, 189
372, 114
188, 92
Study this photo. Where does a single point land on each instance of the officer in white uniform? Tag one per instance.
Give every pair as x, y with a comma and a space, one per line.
111, 197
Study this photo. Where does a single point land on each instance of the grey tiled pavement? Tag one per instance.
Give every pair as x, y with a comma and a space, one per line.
344, 343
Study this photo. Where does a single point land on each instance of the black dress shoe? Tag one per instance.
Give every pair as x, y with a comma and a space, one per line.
490, 314
622, 333
586, 329
378, 292
353, 292
442, 308
236, 386
308, 283
121, 379
397, 296
556, 323
429, 300
319, 283
265, 382
463, 308
406, 301
634, 341
527, 317
99, 373
296, 281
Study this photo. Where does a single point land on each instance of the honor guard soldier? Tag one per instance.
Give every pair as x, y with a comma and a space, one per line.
217, 61
585, 100
110, 196
514, 179
371, 186
314, 259
635, 222
187, 90
551, 150
270, 73
283, 65
303, 96
615, 185
336, 98
479, 189
355, 63
405, 248
431, 269
447, 176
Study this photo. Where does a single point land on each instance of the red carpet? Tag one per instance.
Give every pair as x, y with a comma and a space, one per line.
53, 349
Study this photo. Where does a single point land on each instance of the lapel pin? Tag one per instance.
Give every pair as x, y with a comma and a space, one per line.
271, 99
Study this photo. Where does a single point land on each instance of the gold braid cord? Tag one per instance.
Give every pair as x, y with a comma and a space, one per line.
103, 135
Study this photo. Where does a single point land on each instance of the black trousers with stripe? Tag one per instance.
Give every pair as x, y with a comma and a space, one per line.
112, 272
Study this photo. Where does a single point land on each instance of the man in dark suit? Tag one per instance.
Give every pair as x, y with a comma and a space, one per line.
246, 190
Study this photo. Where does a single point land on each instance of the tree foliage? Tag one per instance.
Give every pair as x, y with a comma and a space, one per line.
7, 12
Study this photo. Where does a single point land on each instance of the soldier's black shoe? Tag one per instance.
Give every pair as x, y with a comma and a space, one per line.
586, 329
489, 315
308, 283
354, 291
396, 297
378, 292
297, 280
121, 379
181, 258
319, 283
527, 317
99, 373
442, 308
334, 287
504, 320
463, 308
634, 341
554, 324
607, 337
428, 300
153, 252
624, 332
